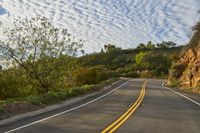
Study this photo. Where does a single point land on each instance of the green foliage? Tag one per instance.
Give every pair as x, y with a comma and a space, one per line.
130, 75
140, 57
68, 72
150, 45
173, 82
37, 47
174, 57
158, 64
194, 42
44, 68
147, 74
92, 75
35, 99
177, 70
14, 84
104, 83
113, 59
108, 48
141, 46
128, 71
168, 44
162, 45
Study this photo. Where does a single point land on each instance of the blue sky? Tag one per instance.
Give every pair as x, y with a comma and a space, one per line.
125, 23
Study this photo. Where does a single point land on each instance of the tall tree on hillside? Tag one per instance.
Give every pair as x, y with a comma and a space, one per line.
195, 41
109, 47
168, 44
38, 47
150, 45
141, 46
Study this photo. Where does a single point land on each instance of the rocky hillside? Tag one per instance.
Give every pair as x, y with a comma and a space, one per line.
186, 72
191, 74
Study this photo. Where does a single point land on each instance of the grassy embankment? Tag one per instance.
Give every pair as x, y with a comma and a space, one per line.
11, 107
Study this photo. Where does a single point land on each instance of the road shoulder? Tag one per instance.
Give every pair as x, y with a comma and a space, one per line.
195, 97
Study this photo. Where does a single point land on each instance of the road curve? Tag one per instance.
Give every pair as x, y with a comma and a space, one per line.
161, 111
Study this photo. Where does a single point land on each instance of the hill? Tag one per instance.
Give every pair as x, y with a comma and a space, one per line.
123, 61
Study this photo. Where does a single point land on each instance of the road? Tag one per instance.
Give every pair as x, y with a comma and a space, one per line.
130, 106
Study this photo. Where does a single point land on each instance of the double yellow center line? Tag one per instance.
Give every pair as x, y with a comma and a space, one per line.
116, 124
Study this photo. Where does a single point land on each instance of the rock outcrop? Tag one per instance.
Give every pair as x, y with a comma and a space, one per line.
190, 77
186, 72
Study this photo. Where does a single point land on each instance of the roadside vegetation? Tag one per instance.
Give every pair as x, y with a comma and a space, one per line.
41, 67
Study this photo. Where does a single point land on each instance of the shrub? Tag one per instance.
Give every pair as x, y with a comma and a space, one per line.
130, 74
14, 84
146, 74
92, 75
35, 99
174, 82
176, 71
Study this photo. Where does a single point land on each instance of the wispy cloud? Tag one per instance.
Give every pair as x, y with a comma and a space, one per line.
122, 22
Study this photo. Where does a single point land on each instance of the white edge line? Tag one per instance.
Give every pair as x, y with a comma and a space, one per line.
181, 94
67, 110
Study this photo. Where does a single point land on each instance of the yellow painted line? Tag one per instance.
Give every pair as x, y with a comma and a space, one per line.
127, 114
115, 125
119, 119
119, 124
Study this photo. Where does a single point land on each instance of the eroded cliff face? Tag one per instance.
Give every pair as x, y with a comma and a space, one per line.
186, 72
190, 77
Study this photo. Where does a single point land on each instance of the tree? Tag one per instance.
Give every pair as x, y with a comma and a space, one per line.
110, 47
150, 45
141, 46
194, 41
139, 58
38, 47
168, 44
153, 62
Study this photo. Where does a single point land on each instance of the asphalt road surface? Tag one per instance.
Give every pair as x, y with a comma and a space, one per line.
134, 106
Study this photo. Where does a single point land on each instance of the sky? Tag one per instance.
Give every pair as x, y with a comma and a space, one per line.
125, 23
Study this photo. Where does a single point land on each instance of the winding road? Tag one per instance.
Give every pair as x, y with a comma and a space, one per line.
129, 106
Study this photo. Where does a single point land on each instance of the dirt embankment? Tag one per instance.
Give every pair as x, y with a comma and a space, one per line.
191, 74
